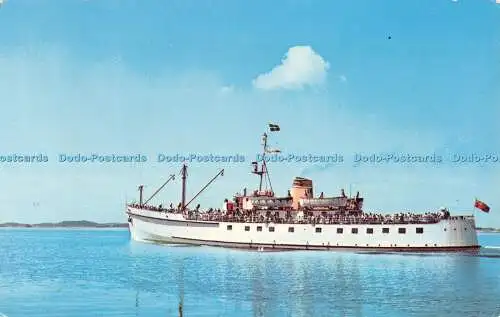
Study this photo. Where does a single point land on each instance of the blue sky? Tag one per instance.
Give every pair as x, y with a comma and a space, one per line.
206, 77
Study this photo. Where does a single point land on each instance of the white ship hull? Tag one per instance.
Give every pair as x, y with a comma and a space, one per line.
453, 234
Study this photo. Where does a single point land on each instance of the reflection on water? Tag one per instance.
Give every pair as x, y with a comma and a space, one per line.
79, 273
258, 292
180, 285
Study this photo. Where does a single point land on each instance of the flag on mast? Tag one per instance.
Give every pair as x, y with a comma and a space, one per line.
481, 206
274, 127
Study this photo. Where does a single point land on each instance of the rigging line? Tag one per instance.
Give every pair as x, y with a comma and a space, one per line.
172, 176
221, 173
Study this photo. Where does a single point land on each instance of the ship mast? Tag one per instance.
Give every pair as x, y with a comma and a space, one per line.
184, 176
141, 189
263, 168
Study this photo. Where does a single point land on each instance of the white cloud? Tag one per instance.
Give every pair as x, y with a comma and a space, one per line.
343, 78
301, 66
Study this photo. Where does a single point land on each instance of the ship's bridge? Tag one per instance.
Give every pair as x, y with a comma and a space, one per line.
269, 203
300, 197
330, 202
262, 200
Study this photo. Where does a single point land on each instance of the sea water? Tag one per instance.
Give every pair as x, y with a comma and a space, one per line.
69, 272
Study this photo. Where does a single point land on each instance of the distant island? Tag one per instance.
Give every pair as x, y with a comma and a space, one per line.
65, 224
488, 229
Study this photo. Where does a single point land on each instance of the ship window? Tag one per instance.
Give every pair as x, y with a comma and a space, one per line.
385, 230
290, 229
402, 230
271, 229
318, 230
354, 230
420, 230
229, 227
369, 230
247, 228
340, 230
259, 228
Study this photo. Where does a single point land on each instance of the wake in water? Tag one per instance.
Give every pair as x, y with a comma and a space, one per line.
490, 251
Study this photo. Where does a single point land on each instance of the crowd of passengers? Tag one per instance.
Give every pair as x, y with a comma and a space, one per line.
338, 218
325, 218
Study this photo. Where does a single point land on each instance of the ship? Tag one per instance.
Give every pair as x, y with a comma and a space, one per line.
259, 220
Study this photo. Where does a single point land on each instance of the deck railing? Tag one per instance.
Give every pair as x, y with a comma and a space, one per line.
366, 218
311, 220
